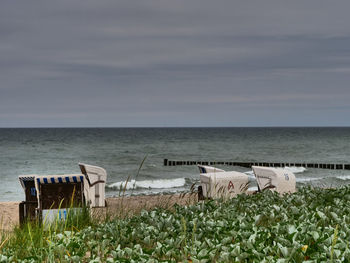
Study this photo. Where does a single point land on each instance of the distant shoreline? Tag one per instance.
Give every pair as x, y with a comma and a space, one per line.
179, 127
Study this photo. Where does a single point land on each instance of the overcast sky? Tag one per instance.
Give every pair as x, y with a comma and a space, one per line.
174, 63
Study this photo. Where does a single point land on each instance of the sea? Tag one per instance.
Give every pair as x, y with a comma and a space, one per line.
136, 155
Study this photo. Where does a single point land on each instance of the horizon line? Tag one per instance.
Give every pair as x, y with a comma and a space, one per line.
163, 127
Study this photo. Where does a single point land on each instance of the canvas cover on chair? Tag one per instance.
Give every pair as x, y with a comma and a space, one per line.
94, 184
203, 169
223, 184
275, 179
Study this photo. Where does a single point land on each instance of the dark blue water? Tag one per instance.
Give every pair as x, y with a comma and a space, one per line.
121, 150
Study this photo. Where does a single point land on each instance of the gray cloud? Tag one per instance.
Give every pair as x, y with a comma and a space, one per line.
174, 63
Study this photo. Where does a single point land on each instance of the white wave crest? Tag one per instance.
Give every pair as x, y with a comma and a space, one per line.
252, 189
149, 184
250, 173
344, 177
309, 179
295, 170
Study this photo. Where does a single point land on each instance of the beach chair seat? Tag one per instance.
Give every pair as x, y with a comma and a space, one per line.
58, 193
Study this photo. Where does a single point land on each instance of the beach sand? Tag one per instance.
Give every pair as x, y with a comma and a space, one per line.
9, 215
116, 206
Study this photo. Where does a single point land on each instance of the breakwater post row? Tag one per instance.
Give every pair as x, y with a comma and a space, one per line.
331, 166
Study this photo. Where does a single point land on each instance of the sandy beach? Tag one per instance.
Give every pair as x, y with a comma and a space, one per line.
9, 215
116, 206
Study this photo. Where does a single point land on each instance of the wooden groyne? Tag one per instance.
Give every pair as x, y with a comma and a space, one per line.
331, 166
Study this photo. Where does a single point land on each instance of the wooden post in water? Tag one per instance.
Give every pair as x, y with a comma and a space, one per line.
333, 166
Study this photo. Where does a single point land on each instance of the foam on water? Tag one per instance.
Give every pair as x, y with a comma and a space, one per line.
250, 173
149, 184
252, 189
341, 177
344, 177
309, 179
295, 170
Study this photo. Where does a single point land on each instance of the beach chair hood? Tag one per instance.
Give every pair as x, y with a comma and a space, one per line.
24, 179
94, 184
203, 169
275, 179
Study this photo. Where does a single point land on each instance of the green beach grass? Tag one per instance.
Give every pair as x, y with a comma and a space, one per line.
311, 225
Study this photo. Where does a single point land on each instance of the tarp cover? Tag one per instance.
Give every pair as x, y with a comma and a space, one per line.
223, 184
275, 179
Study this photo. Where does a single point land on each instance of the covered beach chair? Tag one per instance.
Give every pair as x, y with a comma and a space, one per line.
275, 179
223, 184
49, 196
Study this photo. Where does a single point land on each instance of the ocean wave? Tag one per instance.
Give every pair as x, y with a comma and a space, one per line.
295, 170
149, 184
252, 189
309, 179
250, 173
344, 177
341, 177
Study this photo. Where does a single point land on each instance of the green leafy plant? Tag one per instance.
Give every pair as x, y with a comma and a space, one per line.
311, 225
